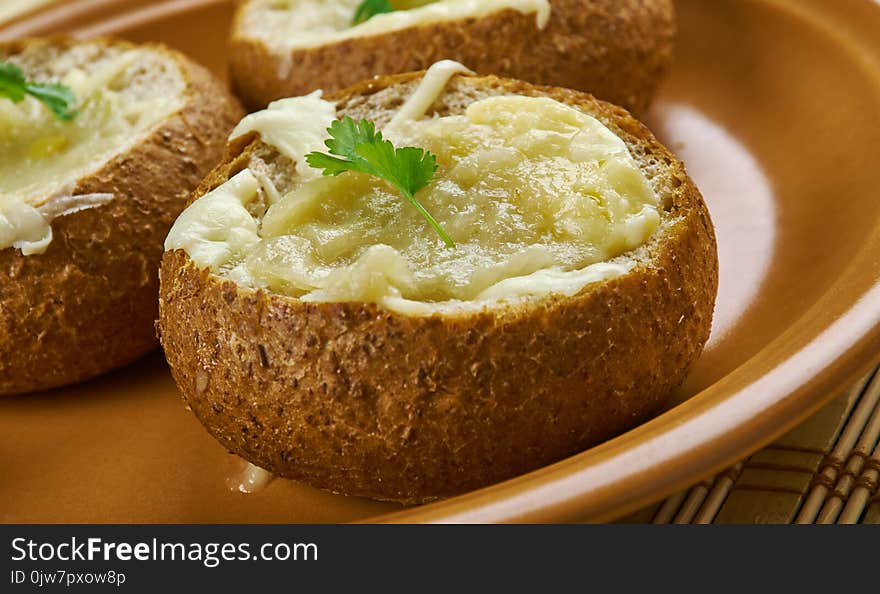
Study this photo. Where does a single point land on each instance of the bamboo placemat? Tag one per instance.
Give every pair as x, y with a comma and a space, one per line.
825, 471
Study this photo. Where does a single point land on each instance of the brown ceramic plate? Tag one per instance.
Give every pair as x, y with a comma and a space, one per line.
775, 107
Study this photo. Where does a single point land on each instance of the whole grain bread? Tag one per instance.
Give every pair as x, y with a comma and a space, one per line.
89, 303
359, 400
618, 50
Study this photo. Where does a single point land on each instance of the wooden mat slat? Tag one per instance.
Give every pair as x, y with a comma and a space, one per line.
846, 462
866, 488
872, 516
692, 504
669, 508
720, 492
826, 470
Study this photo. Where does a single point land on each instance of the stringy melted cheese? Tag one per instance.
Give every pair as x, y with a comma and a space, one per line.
310, 23
537, 195
42, 157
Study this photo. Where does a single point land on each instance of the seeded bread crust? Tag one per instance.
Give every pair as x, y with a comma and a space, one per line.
88, 304
359, 400
618, 50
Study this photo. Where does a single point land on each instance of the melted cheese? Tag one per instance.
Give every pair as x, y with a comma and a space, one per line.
309, 23
539, 197
295, 126
250, 479
218, 228
42, 157
431, 87
27, 227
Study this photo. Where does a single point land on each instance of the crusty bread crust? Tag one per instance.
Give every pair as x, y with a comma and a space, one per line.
88, 304
359, 400
618, 50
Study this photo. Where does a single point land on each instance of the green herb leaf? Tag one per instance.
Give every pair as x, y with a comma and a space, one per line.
370, 8
12, 81
357, 146
56, 97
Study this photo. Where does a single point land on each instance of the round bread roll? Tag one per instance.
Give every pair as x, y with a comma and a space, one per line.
81, 299
618, 50
360, 398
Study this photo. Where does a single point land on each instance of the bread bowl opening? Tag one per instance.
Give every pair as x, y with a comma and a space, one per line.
290, 24
121, 94
539, 197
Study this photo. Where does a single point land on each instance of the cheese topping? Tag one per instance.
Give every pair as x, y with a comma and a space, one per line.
431, 87
293, 24
42, 157
538, 196
250, 479
220, 228
295, 126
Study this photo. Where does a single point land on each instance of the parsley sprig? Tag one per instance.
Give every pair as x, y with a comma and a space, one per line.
357, 146
15, 86
370, 8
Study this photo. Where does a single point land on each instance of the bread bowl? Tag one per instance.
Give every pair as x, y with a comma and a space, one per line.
618, 50
86, 202
360, 354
